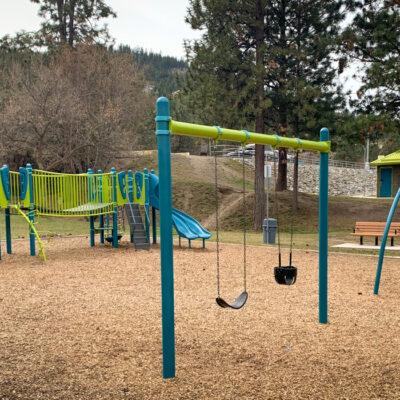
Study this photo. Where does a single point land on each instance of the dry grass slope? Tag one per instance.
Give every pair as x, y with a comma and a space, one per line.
193, 180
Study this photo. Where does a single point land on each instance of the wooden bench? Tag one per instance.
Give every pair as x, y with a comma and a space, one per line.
375, 229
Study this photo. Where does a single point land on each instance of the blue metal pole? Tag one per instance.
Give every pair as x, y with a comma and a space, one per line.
100, 197
115, 213
91, 219
323, 230
147, 203
8, 230
384, 240
31, 214
167, 260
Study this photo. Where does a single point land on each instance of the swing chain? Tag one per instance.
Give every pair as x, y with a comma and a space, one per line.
276, 209
276, 206
244, 223
217, 217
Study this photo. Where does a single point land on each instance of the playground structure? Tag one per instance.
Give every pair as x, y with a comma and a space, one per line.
165, 127
100, 196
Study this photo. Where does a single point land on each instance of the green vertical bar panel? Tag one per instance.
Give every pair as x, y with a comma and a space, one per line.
32, 244
166, 249
147, 203
8, 230
384, 240
323, 230
115, 212
91, 196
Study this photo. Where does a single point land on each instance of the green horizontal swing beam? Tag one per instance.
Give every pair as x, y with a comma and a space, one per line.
217, 133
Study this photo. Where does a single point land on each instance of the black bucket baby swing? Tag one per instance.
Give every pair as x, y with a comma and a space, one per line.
284, 274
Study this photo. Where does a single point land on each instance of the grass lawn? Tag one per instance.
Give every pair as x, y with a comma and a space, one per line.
50, 227
47, 227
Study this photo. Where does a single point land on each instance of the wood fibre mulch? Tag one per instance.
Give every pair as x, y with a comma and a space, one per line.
86, 325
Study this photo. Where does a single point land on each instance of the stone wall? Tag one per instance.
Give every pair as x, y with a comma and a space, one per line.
342, 181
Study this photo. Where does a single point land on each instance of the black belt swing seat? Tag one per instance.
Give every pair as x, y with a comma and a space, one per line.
237, 304
241, 300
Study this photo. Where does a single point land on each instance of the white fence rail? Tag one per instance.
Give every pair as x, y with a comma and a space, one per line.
223, 150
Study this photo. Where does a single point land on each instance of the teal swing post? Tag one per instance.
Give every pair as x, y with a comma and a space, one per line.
323, 230
384, 240
165, 127
167, 263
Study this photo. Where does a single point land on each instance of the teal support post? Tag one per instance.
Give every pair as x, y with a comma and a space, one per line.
166, 249
7, 216
147, 203
384, 240
31, 215
115, 212
91, 196
154, 224
323, 230
5, 177
100, 197
154, 219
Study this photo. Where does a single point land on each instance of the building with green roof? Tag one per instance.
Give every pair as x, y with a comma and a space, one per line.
388, 174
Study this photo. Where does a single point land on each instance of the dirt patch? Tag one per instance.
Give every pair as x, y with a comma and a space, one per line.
86, 325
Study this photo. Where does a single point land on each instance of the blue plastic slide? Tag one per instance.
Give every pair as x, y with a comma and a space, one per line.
185, 225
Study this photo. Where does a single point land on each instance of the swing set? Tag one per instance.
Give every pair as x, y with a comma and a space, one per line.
284, 275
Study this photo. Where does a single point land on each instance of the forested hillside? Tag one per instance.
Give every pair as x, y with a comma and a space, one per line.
164, 72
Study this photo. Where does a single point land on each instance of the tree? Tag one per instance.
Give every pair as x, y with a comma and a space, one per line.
373, 39
226, 74
267, 64
76, 110
301, 70
66, 22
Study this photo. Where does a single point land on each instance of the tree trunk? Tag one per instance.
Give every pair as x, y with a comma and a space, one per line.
71, 24
259, 189
281, 183
61, 21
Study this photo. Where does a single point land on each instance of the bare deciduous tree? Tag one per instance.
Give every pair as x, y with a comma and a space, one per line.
79, 109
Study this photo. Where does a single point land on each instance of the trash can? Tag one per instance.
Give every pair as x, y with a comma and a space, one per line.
269, 230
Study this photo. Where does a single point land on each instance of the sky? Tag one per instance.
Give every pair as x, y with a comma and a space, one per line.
157, 25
